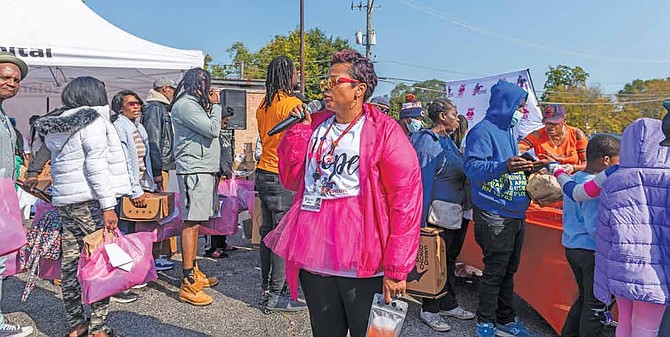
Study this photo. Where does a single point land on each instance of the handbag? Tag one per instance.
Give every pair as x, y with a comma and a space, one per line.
444, 214
160, 205
97, 277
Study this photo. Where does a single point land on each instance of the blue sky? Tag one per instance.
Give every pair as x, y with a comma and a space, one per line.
615, 41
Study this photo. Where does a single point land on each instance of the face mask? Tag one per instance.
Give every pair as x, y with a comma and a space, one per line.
516, 118
414, 125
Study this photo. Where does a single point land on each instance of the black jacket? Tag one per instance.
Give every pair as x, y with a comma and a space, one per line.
157, 122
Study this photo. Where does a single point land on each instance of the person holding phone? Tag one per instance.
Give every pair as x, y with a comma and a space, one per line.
353, 228
498, 184
196, 115
557, 141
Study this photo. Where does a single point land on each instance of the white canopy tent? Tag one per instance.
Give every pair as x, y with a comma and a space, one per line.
64, 39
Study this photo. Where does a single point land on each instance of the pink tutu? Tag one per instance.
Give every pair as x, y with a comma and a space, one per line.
329, 241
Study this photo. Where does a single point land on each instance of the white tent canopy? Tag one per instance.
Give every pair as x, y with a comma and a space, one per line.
64, 39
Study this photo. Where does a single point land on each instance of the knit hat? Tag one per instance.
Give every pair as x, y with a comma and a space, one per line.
7, 57
412, 110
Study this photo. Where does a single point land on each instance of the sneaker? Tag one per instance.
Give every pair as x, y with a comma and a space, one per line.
264, 298
485, 330
435, 321
513, 329
283, 303
140, 286
163, 264
458, 313
9, 330
125, 297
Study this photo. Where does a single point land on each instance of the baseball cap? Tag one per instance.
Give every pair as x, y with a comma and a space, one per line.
164, 82
7, 57
554, 114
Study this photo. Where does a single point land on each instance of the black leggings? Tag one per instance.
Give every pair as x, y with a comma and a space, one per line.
339, 304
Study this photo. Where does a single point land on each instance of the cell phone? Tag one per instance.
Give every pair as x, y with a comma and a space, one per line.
529, 156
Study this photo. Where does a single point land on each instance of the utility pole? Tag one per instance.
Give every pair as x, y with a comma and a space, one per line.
302, 47
370, 34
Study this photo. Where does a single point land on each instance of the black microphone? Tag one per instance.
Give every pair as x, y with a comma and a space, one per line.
312, 107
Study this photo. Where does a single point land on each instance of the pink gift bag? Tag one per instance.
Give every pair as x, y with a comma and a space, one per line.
11, 224
49, 269
99, 280
226, 224
245, 195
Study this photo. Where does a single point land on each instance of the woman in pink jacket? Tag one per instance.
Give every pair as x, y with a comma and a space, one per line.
353, 229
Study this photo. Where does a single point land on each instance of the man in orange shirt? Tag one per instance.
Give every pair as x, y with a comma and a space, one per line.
277, 104
557, 141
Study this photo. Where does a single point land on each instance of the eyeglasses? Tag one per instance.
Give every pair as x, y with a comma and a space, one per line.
133, 104
333, 81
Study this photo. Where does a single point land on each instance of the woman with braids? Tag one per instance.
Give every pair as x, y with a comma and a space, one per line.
196, 115
353, 229
275, 199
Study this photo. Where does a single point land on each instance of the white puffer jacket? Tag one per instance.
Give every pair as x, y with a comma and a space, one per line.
87, 161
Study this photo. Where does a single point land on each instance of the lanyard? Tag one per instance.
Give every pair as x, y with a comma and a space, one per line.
328, 158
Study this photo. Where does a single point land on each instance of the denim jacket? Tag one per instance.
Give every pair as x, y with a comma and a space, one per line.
125, 128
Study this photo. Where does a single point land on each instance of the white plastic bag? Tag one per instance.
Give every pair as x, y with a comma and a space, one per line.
386, 319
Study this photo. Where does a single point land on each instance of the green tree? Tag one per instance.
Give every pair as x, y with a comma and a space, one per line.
318, 49
588, 107
425, 92
654, 90
565, 78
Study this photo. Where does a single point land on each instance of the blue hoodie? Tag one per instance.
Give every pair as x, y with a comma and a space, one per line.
489, 145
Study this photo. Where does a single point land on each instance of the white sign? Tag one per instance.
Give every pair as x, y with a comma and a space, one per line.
472, 99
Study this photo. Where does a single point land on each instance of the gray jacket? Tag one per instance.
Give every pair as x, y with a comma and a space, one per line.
196, 133
138, 184
158, 124
7, 147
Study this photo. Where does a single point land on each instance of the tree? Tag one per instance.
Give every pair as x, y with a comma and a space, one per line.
318, 49
564, 77
588, 107
654, 90
425, 92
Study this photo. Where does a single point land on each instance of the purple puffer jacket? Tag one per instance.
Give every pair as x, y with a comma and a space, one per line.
633, 235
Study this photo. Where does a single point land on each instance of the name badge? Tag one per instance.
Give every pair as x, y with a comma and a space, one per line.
311, 203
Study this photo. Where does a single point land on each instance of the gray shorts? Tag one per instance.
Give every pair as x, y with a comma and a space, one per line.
199, 196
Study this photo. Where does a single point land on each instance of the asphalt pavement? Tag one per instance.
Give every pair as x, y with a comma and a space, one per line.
235, 311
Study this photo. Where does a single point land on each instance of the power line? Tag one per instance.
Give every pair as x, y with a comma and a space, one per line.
457, 22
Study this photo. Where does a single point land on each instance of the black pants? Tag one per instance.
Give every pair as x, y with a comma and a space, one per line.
275, 202
584, 317
454, 240
501, 240
339, 304
665, 323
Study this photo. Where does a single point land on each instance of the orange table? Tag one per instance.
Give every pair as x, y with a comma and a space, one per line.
544, 279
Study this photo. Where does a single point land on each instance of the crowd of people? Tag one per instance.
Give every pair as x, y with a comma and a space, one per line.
346, 190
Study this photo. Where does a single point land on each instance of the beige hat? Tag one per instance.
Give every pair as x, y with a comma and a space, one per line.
7, 57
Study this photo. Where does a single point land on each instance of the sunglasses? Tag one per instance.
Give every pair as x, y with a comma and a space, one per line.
333, 81
133, 104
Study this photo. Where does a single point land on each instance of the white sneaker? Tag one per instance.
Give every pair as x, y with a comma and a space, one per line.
140, 286
435, 321
458, 313
9, 330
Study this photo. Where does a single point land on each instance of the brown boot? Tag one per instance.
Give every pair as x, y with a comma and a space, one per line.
192, 293
200, 277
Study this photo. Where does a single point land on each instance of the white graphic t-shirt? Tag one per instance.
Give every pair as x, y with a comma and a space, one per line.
338, 176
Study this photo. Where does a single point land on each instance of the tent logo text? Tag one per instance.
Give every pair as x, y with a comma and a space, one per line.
28, 52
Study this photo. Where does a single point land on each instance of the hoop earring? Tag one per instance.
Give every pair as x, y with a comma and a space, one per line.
353, 104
